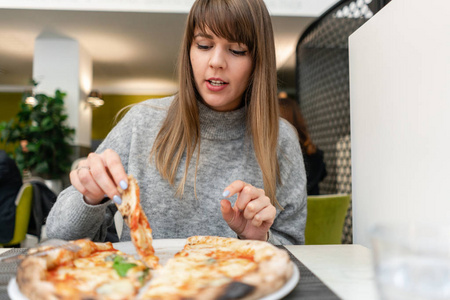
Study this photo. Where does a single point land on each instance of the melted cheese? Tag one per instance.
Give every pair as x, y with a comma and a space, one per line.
118, 289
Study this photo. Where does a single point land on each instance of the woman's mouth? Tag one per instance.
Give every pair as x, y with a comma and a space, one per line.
216, 82
216, 85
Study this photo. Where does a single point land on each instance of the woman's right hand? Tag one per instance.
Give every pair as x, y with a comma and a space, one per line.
99, 176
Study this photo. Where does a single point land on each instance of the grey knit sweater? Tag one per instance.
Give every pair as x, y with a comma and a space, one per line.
226, 154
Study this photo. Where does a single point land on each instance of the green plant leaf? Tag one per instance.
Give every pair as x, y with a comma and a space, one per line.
35, 129
47, 123
41, 167
33, 147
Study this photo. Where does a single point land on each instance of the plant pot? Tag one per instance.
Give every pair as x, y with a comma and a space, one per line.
56, 185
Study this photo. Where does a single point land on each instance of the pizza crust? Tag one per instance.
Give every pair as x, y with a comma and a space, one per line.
32, 270
31, 279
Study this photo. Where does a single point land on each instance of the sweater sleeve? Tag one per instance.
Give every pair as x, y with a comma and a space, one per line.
289, 225
71, 217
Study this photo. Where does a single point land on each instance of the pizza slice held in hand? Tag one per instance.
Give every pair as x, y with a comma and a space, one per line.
134, 217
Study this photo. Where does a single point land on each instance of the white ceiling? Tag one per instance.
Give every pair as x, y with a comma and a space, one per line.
132, 52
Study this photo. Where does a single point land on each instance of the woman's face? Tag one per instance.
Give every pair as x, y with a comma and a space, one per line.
221, 70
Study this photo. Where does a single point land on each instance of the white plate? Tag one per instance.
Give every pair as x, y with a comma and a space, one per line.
166, 249
13, 290
285, 289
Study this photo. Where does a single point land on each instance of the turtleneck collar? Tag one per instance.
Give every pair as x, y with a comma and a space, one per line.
216, 125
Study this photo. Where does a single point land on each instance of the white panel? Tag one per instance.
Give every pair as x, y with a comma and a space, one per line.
400, 116
58, 63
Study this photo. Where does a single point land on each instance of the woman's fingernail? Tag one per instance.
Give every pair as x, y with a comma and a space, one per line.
117, 199
123, 184
226, 194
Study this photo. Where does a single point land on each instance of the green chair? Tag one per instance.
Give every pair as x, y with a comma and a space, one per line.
325, 220
23, 203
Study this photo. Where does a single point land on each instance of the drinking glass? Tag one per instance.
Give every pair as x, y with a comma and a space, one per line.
412, 261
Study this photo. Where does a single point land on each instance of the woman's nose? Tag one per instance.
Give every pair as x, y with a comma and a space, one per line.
217, 59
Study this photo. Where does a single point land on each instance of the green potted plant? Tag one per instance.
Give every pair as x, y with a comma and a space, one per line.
41, 136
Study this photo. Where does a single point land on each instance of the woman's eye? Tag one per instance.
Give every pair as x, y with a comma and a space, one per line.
238, 53
202, 47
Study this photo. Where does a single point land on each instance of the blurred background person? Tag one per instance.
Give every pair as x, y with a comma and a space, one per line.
313, 157
10, 183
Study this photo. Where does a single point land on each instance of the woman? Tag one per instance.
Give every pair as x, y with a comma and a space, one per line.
219, 140
10, 183
313, 159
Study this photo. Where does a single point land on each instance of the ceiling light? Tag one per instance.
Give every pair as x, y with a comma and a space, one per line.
31, 100
95, 99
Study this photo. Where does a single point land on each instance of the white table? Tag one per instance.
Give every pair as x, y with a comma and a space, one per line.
345, 269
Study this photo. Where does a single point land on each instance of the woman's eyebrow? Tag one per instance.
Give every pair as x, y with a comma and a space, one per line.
209, 36
205, 35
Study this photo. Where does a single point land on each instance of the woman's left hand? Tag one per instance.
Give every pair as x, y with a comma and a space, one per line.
252, 215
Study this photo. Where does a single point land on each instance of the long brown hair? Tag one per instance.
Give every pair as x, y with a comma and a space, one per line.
243, 21
290, 111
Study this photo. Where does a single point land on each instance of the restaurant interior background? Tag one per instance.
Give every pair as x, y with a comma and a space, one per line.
127, 51
386, 82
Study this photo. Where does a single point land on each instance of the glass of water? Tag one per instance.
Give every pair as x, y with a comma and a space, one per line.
412, 261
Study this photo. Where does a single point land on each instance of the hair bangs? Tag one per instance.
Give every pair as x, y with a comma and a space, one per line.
225, 19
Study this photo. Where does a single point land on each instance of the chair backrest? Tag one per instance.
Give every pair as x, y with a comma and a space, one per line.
23, 203
325, 220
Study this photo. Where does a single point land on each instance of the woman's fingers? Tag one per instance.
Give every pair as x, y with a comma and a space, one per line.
235, 187
252, 202
100, 175
228, 213
266, 216
117, 172
255, 206
246, 192
82, 180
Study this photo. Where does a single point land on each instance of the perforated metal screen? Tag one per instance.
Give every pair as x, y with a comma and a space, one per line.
322, 74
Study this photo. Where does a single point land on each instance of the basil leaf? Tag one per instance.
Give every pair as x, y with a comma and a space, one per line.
118, 259
121, 266
143, 276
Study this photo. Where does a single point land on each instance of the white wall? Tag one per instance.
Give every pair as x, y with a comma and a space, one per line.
400, 116
61, 63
